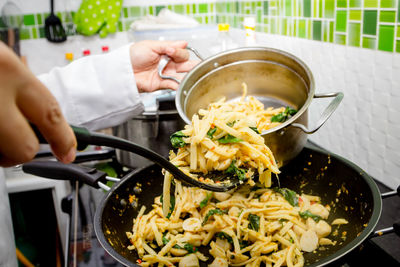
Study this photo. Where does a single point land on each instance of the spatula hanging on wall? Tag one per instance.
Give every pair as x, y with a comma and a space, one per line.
53, 27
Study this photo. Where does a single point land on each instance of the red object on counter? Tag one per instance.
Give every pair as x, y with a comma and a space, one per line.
105, 48
86, 52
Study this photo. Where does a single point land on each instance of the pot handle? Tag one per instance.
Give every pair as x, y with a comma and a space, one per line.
59, 171
326, 114
164, 62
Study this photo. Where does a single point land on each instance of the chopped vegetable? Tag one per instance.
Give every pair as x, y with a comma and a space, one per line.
213, 212
254, 222
190, 248
289, 195
284, 116
307, 214
255, 129
225, 236
233, 170
228, 139
282, 220
244, 243
230, 124
204, 202
187, 246
177, 139
211, 132
172, 206
164, 239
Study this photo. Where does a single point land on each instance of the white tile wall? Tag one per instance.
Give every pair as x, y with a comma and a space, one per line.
366, 127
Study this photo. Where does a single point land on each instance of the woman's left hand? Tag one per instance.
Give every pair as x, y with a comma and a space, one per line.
145, 57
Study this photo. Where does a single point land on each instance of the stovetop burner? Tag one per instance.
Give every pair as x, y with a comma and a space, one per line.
378, 251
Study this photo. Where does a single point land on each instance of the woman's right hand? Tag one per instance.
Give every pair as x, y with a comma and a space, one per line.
24, 98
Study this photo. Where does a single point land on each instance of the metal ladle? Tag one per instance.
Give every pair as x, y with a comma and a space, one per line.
12, 18
11, 15
85, 137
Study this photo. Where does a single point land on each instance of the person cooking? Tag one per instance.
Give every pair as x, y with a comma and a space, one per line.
95, 92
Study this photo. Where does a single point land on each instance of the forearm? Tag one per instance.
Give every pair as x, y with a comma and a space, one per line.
97, 91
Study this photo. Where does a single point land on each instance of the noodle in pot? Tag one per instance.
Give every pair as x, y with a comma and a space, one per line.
244, 227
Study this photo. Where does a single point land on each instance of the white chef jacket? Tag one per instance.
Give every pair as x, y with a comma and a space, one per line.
98, 91
95, 92
8, 257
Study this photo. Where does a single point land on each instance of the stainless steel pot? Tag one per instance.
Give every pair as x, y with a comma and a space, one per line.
275, 77
150, 129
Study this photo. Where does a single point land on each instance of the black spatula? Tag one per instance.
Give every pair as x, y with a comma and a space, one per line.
53, 28
85, 138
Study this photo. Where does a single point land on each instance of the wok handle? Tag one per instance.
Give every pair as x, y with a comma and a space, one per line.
338, 97
391, 193
396, 226
165, 60
60, 171
394, 229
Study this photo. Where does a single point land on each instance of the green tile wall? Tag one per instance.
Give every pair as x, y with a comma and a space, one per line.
372, 24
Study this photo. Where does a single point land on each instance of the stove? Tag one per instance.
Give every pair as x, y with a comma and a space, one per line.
378, 251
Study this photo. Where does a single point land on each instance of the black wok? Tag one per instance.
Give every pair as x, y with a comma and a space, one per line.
351, 192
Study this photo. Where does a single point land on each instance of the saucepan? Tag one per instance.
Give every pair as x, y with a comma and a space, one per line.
274, 77
350, 191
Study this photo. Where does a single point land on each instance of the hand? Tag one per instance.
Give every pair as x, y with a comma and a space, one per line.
24, 98
145, 56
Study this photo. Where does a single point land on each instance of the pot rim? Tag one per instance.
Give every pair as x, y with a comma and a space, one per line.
303, 109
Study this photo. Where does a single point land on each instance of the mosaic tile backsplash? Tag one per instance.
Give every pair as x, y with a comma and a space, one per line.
373, 24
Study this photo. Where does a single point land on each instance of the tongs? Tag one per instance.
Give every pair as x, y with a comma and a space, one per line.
85, 138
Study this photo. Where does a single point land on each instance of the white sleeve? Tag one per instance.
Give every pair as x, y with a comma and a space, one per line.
98, 91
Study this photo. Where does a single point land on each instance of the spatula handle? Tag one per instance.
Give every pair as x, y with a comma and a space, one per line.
60, 171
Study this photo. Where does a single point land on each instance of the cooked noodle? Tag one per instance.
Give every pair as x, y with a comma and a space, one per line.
243, 227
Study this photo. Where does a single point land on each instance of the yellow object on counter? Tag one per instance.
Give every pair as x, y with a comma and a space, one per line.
223, 27
69, 56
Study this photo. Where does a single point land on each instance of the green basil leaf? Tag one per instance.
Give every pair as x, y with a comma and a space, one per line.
241, 174
307, 214
224, 235
213, 212
189, 248
255, 129
283, 116
164, 239
254, 222
211, 132
244, 243
177, 139
229, 139
280, 117
204, 202
290, 111
289, 195
172, 206
282, 220
233, 170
